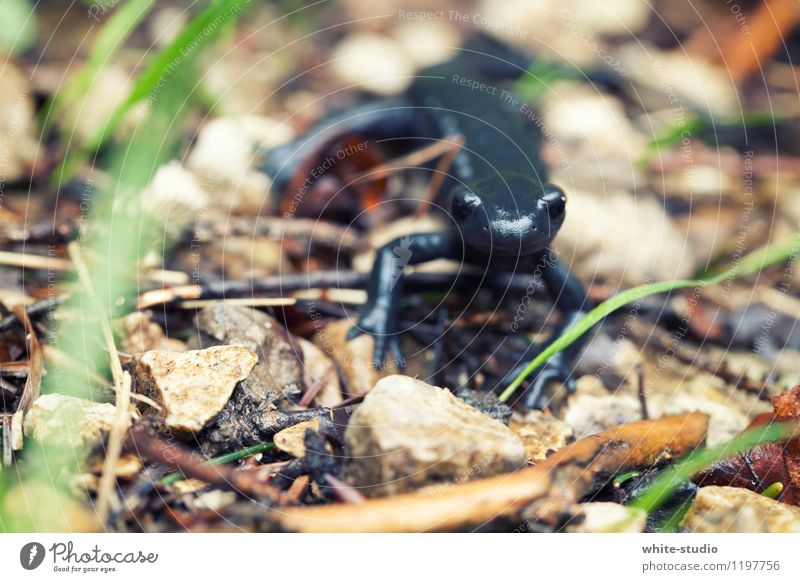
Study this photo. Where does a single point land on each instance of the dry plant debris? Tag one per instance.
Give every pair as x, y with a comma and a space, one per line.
544, 493
214, 296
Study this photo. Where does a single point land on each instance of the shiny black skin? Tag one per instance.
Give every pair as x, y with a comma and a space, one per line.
498, 193
503, 212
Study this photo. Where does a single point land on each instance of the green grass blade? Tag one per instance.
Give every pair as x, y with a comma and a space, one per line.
187, 45
116, 30
673, 135
750, 264
180, 53
120, 232
173, 478
665, 485
538, 78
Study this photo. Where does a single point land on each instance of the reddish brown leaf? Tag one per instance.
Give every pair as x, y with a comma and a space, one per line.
766, 464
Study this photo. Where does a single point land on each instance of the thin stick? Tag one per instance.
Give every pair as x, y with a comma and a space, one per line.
28, 261
33, 311
410, 160
173, 478
44, 262
55, 356
456, 143
122, 387
74, 251
640, 390
297, 488
7, 448
166, 276
158, 450
105, 491
245, 301
345, 492
769, 24
33, 383
314, 389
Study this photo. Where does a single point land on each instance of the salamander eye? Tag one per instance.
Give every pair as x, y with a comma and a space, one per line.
555, 201
464, 203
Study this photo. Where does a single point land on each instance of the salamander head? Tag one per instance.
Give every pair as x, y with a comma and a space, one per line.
509, 225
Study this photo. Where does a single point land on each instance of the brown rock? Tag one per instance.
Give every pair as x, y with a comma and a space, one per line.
275, 380
407, 434
68, 421
292, 440
541, 433
194, 386
608, 518
320, 369
353, 358
138, 334
278, 375
735, 510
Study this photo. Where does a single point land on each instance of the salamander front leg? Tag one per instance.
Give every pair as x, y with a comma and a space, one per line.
570, 298
379, 317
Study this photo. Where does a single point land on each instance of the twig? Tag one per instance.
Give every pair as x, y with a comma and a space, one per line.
122, 418
640, 390
245, 301
16, 369
315, 232
338, 295
166, 276
38, 233
7, 447
315, 388
33, 384
349, 402
29, 261
439, 346
122, 386
148, 445
345, 492
335, 279
409, 161
55, 356
33, 311
455, 143
768, 26
659, 339
298, 487
44, 262
224, 459
6, 386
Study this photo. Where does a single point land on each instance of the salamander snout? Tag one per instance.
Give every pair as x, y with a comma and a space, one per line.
508, 225
555, 201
